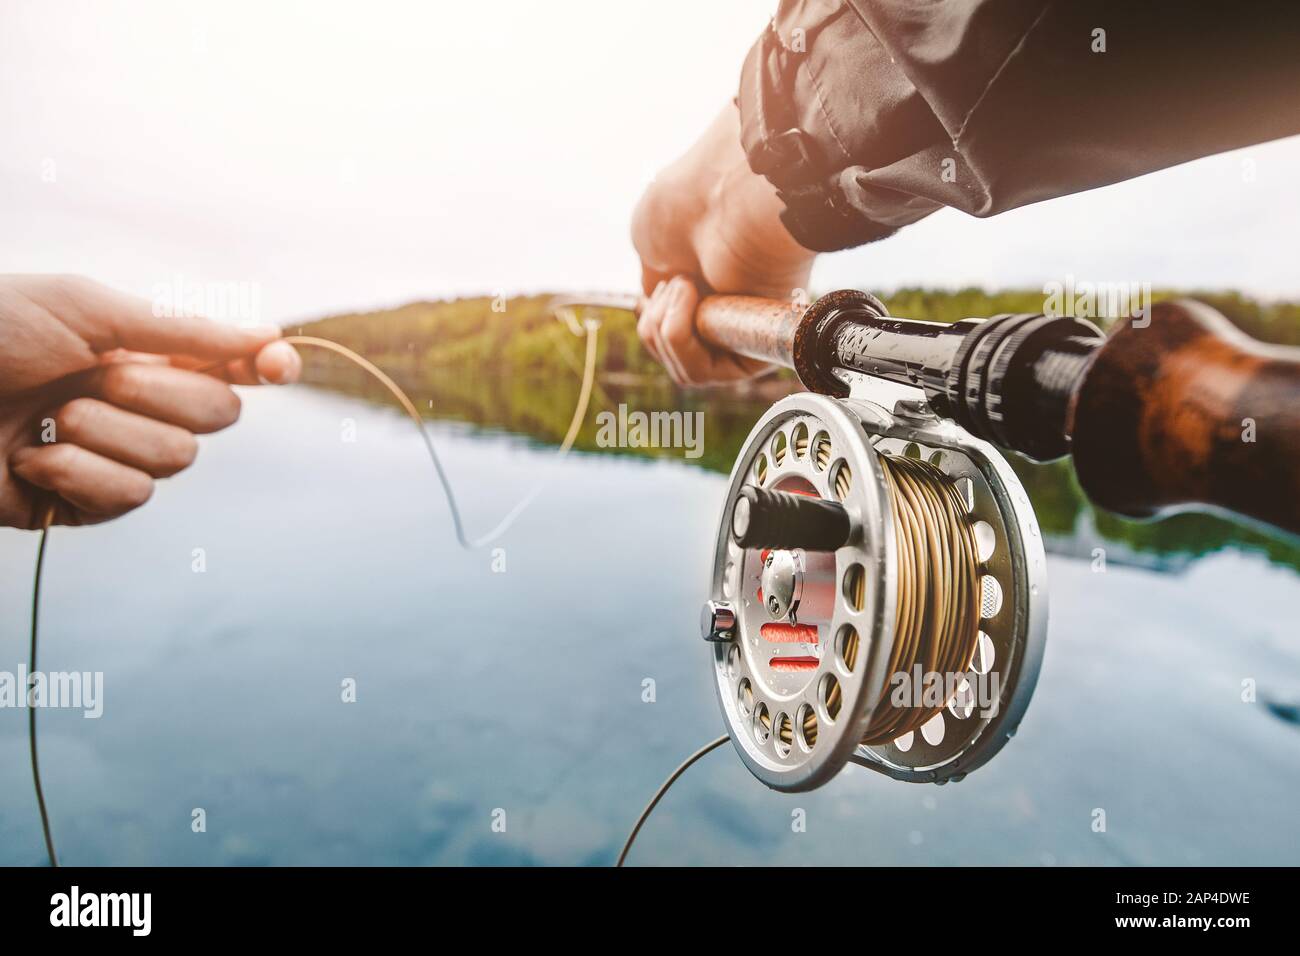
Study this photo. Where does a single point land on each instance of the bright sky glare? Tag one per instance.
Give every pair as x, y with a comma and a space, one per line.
354, 155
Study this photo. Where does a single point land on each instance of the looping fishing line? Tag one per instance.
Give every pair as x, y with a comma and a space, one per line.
575, 425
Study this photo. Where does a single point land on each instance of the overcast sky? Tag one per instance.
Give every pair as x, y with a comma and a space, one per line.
352, 155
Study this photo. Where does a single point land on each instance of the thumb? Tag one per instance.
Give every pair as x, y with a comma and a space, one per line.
107, 319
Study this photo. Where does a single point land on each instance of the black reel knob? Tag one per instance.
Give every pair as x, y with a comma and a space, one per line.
778, 519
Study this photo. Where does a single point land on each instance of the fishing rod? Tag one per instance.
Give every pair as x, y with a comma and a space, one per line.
1176, 408
879, 590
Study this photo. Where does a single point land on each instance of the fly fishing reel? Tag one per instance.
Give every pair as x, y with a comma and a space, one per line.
878, 595
879, 591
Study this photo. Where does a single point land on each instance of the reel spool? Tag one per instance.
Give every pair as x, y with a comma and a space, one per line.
810, 573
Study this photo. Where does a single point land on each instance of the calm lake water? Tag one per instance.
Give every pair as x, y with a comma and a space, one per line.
522, 690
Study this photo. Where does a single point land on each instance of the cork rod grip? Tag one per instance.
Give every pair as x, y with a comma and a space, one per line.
751, 326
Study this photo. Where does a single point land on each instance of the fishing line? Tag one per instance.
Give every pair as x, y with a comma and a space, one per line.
575, 425
938, 595
664, 788
31, 710
937, 620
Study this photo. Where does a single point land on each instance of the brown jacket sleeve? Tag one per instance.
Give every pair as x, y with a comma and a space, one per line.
870, 114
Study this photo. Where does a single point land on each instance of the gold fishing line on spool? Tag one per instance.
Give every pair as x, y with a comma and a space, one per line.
936, 624
785, 732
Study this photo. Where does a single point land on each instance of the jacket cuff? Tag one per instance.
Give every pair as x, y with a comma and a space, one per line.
817, 213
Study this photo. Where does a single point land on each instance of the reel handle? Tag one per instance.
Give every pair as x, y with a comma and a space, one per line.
1187, 409
761, 518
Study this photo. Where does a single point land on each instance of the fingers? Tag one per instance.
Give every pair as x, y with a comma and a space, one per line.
650, 329
647, 323
240, 371
275, 364
677, 332
89, 482
108, 319
278, 363
667, 328
194, 401
136, 425
155, 448
135, 422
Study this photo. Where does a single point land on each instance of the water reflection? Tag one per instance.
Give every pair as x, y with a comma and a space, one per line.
540, 410
520, 684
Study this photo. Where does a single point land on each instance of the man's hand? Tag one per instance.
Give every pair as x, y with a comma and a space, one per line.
709, 223
99, 397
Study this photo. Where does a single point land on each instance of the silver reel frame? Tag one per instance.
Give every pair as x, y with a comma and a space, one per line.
878, 417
